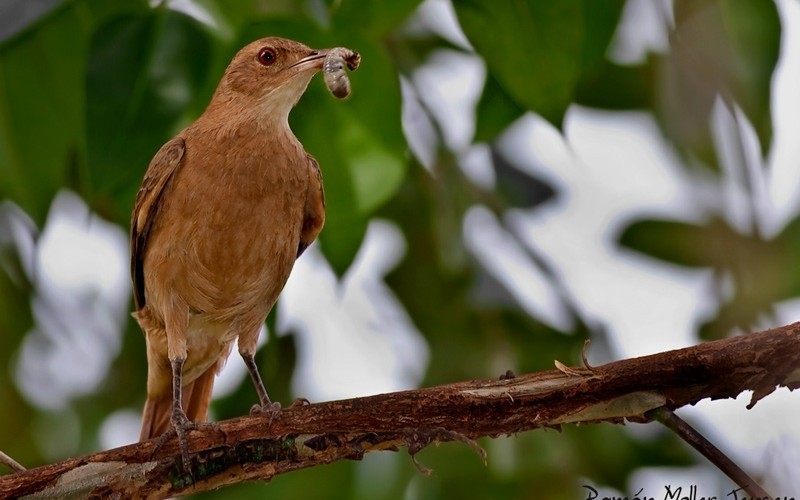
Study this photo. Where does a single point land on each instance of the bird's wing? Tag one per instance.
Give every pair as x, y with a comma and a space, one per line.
314, 213
148, 202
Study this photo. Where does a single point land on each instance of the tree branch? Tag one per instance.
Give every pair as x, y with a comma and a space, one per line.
248, 448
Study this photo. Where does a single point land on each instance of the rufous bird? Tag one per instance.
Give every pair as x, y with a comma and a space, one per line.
224, 210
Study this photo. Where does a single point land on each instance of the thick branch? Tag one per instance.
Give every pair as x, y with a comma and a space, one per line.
303, 436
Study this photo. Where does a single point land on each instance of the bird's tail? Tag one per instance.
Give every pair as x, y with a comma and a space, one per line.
196, 396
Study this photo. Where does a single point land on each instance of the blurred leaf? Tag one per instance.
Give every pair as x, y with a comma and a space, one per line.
537, 49
713, 244
228, 18
15, 319
464, 328
376, 171
100, 11
761, 271
375, 18
611, 86
41, 111
755, 33
495, 111
766, 275
345, 224
600, 22
143, 71
532, 48
719, 48
672, 241
409, 51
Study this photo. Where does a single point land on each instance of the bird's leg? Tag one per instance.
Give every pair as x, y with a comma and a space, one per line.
180, 422
265, 406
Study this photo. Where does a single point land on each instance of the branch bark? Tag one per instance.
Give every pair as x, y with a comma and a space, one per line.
249, 448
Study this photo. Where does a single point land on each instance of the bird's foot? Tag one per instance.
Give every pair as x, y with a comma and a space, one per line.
181, 424
271, 410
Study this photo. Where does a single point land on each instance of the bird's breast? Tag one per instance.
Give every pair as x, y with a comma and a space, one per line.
236, 214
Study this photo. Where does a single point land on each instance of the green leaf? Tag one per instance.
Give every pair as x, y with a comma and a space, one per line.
228, 17
374, 18
376, 170
41, 111
143, 72
615, 87
317, 124
679, 242
538, 49
495, 111
762, 271
411, 51
755, 34
15, 319
600, 21
721, 49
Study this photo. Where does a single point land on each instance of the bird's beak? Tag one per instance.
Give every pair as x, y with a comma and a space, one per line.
314, 60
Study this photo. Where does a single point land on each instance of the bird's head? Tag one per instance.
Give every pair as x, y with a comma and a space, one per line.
271, 73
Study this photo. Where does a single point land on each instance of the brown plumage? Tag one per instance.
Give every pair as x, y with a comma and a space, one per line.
224, 210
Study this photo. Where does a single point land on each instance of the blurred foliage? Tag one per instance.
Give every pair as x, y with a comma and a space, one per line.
89, 90
526, 49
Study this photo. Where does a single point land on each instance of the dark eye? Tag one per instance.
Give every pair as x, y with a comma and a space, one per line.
266, 56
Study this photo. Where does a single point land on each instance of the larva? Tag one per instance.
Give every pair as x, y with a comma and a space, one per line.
333, 70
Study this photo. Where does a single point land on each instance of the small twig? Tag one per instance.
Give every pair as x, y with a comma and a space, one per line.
708, 450
11, 463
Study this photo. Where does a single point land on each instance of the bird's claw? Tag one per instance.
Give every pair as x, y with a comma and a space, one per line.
271, 410
181, 424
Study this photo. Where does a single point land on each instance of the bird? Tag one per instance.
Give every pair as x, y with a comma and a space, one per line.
224, 210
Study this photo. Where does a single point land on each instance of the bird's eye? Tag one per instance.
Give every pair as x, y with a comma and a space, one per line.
266, 56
